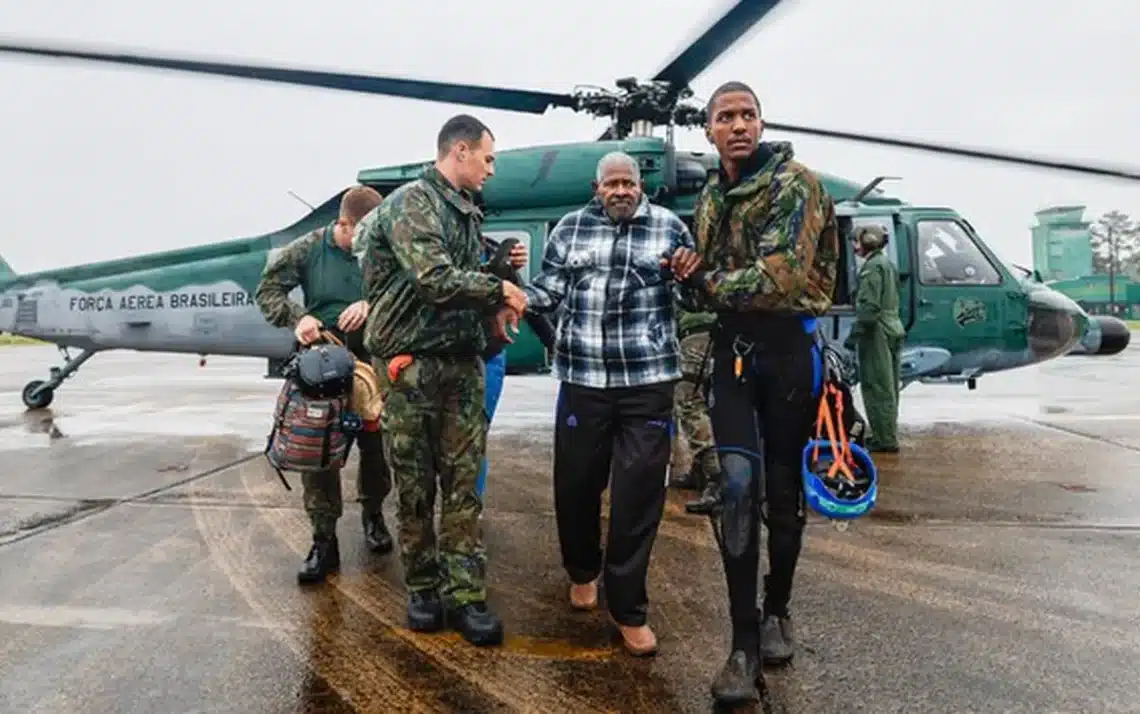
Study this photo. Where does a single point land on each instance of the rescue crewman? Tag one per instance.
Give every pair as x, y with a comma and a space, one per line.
427, 329
322, 264
693, 437
768, 245
877, 337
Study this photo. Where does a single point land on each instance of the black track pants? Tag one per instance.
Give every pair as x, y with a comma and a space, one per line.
626, 429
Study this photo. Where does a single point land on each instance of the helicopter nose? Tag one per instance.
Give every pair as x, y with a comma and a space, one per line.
1056, 324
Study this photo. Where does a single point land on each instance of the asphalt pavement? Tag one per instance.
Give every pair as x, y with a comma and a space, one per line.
148, 559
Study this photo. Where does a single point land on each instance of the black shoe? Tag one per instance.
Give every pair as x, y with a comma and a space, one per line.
477, 624
376, 533
708, 501
425, 611
323, 558
776, 644
738, 679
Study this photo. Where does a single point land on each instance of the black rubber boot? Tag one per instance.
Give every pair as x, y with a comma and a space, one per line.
376, 534
323, 558
425, 611
738, 680
776, 640
477, 624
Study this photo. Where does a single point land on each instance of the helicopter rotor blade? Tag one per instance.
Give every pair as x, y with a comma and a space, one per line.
1111, 171
518, 100
713, 42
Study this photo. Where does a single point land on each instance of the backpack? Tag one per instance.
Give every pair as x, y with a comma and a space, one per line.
313, 428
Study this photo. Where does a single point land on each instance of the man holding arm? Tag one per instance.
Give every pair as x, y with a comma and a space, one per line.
431, 301
768, 244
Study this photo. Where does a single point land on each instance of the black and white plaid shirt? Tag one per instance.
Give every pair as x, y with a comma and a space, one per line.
617, 324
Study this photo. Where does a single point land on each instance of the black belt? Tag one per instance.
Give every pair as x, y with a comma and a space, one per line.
763, 330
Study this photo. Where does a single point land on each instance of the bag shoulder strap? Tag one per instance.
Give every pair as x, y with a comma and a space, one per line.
330, 337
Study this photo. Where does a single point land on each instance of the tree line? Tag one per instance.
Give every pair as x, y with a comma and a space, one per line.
1115, 242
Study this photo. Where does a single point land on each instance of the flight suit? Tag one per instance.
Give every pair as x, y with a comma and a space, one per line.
426, 331
769, 249
693, 435
877, 336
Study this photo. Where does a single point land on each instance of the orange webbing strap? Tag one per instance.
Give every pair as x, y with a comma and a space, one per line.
845, 445
397, 365
840, 447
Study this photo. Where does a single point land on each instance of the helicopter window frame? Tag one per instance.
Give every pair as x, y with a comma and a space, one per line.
523, 235
993, 278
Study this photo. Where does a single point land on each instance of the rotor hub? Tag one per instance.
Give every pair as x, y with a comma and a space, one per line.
634, 104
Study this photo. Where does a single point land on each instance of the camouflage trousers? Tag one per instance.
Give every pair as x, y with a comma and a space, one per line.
690, 413
322, 493
434, 427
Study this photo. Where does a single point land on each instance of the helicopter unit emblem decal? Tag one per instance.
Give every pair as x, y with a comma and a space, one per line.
968, 311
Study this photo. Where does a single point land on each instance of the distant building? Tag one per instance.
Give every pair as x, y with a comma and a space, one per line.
1062, 247
1062, 254
1097, 295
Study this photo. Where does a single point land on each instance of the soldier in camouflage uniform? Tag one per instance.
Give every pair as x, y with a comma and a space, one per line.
431, 304
768, 244
322, 264
694, 430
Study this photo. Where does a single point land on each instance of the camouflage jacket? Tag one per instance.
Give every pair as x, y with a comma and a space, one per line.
769, 243
328, 276
423, 272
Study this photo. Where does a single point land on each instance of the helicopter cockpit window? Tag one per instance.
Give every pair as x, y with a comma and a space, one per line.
947, 255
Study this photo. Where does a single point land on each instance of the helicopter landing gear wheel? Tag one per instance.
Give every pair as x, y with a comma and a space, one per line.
36, 395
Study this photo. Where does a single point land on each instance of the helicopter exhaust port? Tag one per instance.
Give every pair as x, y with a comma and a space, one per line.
1107, 335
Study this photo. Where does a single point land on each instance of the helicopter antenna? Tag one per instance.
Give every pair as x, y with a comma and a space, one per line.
310, 206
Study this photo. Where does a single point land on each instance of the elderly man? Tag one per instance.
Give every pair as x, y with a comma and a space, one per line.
617, 357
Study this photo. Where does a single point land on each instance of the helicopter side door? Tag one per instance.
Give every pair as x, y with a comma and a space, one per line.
900, 258
842, 313
960, 293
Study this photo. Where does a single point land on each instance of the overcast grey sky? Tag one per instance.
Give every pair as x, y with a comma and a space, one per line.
103, 162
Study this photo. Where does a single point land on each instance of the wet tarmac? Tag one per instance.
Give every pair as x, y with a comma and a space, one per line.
147, 560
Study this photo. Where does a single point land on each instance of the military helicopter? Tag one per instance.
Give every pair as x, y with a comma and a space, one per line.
966, 312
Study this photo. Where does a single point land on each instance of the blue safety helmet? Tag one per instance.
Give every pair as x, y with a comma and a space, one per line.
836, 497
